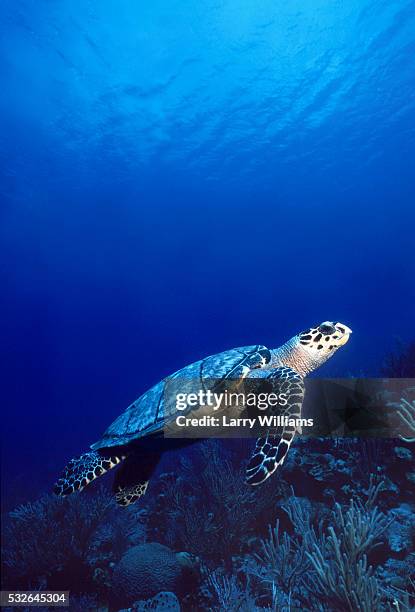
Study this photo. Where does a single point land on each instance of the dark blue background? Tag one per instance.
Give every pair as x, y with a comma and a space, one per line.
185, 177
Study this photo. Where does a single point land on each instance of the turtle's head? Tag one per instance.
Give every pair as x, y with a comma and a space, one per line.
321, 342
312, 347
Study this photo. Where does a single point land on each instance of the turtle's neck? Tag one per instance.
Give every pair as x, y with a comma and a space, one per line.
293, 355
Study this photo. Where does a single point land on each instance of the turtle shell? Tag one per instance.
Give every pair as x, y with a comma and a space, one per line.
149, 413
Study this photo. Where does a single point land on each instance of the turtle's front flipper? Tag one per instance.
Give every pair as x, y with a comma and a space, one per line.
268, 454
84, 469
271, 450
131, 480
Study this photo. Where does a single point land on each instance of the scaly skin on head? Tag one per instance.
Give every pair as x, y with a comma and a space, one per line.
311, 348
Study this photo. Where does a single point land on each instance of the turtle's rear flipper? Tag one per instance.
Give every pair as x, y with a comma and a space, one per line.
84, 469
131, 480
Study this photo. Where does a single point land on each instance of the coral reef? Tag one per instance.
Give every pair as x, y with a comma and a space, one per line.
165, 601
401, 532
228, 593
50, 534
147, 569
281, 564
67, 542
323, 564
206, 507
345, 544
405, 410
343, 578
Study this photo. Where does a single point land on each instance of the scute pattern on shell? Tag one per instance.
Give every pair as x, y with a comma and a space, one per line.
149, 412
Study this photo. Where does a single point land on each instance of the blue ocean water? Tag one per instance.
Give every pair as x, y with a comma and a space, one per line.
180, 178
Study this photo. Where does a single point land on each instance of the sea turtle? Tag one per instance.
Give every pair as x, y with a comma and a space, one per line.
136, 436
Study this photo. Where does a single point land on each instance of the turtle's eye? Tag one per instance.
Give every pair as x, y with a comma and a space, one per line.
327, 328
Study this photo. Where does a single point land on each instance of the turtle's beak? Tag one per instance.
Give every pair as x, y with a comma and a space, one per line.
345, 331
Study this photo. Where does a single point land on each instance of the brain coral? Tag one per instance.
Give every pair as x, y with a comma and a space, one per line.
165, 601
147, 569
